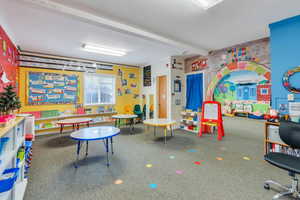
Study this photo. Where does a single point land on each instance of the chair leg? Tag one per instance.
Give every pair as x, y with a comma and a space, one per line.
271, 182
288, 190
279, 195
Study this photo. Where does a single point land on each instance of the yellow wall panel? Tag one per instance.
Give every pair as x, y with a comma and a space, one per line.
121, 101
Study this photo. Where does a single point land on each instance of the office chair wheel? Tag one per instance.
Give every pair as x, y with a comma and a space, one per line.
267, 186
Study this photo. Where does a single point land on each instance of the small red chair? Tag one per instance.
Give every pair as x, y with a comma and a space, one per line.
211, 117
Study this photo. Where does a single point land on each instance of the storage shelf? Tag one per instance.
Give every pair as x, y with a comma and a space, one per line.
192, 131
186, 120
8, 158
20, 187
74, 116
91, 123
5, 195
189, 113
273, 142
6, 129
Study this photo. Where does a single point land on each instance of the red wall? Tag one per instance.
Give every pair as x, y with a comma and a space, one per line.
8, 61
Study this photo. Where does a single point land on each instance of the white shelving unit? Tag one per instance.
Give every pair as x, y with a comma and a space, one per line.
16, 134
53, 120
188, 120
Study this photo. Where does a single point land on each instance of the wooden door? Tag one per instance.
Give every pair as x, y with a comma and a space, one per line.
162, 97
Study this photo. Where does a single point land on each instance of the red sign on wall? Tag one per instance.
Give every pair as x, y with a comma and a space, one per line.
199, 64
8, 61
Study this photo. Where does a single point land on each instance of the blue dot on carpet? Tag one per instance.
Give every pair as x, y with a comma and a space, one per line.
192, 150
153, 186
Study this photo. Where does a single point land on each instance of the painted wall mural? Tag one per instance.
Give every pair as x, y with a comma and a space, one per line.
245, 90
240, 78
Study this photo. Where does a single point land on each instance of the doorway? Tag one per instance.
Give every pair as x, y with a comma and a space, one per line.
162, 96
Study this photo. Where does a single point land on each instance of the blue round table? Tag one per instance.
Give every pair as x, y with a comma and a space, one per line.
104, 133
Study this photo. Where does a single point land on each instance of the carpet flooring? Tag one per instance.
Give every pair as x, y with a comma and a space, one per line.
144, 168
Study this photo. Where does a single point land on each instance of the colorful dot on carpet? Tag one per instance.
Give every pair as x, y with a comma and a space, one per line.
172, 157
192, 150
179, 172
197, 163
246, 158
118, 182
219, 158
149, 165
153, 186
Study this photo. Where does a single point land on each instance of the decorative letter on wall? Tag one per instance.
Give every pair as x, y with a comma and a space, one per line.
286, 80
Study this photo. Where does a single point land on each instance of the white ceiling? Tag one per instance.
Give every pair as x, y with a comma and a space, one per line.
150, 30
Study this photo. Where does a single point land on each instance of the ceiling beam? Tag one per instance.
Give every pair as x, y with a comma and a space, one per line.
116, 25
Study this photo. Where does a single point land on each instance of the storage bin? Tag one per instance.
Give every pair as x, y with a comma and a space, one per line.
8, 179
274, 134
3, 142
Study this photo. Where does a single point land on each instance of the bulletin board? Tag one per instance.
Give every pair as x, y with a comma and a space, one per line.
52, 88
147, 76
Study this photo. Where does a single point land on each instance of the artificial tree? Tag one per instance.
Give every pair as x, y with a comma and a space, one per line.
9, 101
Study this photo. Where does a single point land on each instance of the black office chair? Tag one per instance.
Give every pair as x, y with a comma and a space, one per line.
290, 134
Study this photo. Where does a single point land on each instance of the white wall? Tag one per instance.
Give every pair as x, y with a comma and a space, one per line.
158, 68
6, 28
178, 74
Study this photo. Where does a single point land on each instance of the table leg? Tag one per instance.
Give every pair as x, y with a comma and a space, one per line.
87, 149
107, 150
88, 124
61, 128
116, 123
165, 135
77, 126
119, 124
73, 127
111, 145
131, 126
154, 130
78, 152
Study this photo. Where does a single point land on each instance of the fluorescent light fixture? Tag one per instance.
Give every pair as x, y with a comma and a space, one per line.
206, 4
103, 50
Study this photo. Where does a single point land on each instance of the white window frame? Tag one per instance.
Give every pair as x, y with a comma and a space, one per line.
99, 75
264, 89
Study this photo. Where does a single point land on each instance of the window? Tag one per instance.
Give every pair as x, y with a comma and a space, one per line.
264, 91
253, 92
99, 89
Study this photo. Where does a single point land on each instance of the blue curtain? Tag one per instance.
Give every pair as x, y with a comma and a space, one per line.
194, 91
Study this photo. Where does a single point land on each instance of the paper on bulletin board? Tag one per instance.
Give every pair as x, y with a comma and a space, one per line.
211, 111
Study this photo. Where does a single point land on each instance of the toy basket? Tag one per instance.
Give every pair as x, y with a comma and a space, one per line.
8, 179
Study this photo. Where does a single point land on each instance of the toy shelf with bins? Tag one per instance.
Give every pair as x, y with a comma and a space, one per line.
190, 119
12, 139
273, 143
98, 118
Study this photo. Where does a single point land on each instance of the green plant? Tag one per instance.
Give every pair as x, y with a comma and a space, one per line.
9, 101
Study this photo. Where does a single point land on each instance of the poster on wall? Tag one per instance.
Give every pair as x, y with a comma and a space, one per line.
147, 76
52, 88
132, 75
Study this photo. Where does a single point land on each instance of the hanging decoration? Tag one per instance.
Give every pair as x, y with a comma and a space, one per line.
286, 80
